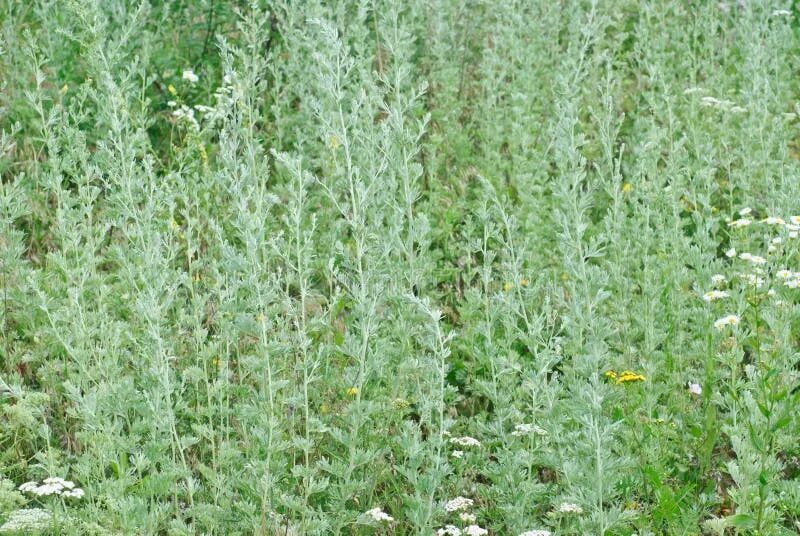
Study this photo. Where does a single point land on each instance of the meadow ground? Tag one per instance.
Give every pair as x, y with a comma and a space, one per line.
383, 267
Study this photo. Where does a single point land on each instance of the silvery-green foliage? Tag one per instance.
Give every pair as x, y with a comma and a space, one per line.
380, 267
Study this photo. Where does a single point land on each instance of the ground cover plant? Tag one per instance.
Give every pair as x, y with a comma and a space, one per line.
378, 267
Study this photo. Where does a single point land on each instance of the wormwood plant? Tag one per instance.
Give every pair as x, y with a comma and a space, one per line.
379, 267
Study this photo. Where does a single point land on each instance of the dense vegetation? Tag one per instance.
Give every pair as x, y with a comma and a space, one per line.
394, 267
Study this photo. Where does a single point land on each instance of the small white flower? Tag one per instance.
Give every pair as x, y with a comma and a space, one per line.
781, 13
570, 508
753, 279
28, 486
458, 454
745, 211
773, 220
730, 253
527, 429
784, 273
540, 532
695, 389
713, 295
76, 493
718, 279
459, 503
793, 234
172, 104
449, 530
691, 90
466, 441
777, 240
475, 530
795, 220
27, 521
755, 259
738, 110
377, 514
729, 320
743, 222
466, 517
792, 283
190, 76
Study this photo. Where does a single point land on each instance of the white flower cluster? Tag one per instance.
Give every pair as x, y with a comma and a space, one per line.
190, 76
465, 441
755, 259
729, 320
184, 113
377, 514
714, 295
27, 521
475, 530
540, 532
459, 503
52, 486
449, 530
722, 104
466, 517
790, 279
570, 508
527, 429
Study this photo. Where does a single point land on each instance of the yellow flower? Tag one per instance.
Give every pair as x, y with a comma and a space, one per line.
506, 286
333, 142
626, 188
64, 89
524, 282
172, 90
352, 391
626, 376
173, 224
324, 409
260, 317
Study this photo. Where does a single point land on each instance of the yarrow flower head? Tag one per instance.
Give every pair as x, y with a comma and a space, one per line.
377, 514
189, 75
773, 220
737, 224
527, 429
466, 517
730, 253
755, 259
475, 530
570, 508
729, 320
714, 295
52, 486
540, 532
459, 503
695, 389
457, 454
465, 441
449, 530
718, 279
27, 521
